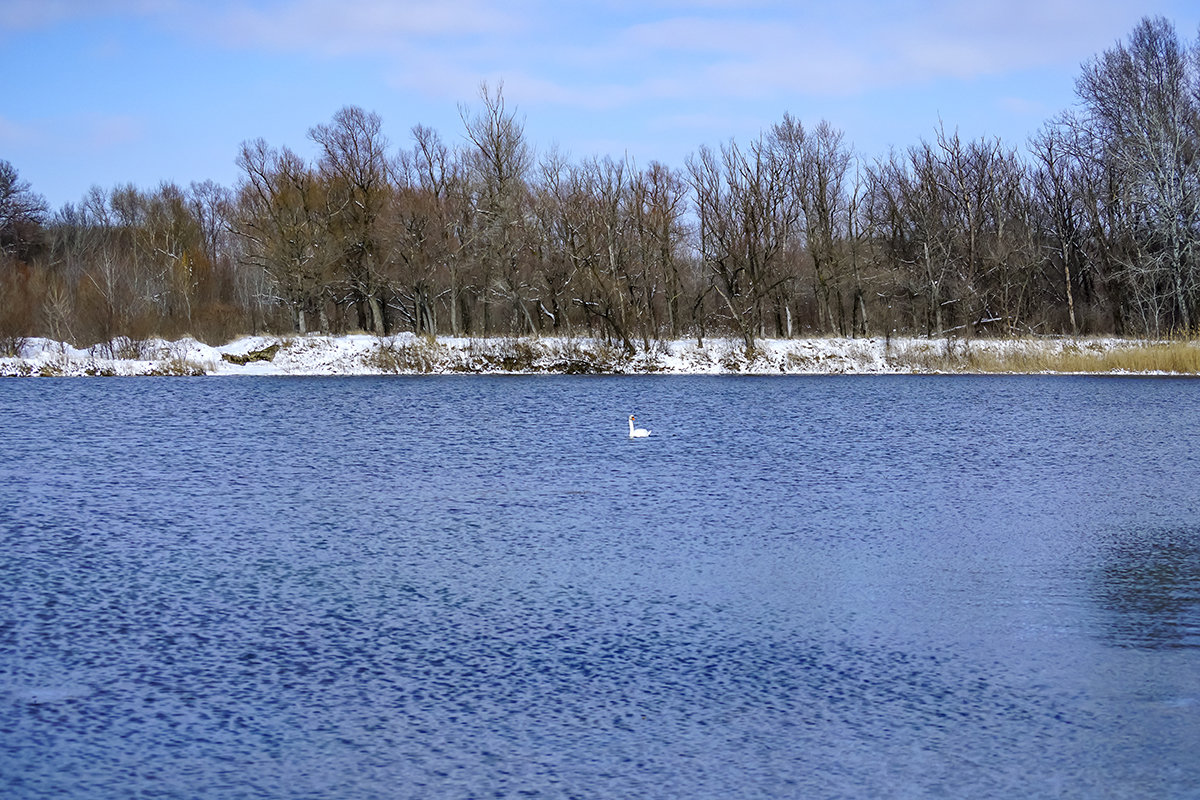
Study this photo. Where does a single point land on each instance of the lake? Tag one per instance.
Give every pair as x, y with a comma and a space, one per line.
453, 587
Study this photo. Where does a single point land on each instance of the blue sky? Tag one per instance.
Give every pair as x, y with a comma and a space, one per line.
101, 92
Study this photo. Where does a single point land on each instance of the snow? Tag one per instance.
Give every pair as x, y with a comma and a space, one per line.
362, 354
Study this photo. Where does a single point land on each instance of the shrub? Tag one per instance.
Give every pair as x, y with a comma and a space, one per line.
125, 348
421, 355
800, 362
178, 366
11, 344
519, 355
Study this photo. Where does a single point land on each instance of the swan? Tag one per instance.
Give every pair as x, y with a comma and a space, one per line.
636, 433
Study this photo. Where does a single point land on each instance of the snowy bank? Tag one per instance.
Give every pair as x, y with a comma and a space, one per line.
407, 354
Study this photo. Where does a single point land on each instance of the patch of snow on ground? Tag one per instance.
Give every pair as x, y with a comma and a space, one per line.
362, 354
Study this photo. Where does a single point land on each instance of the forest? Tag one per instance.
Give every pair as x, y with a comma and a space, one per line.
1091, 227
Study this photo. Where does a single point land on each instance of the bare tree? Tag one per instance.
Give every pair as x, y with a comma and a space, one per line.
598, 245
817, 166
746, 217
499, 161
1142, 113
656, 206
22, 212
432, 188
1056, 182
989, 228
283, 217
911, 213
556, 232
355, 165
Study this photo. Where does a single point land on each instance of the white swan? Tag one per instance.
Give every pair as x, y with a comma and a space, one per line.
636, 433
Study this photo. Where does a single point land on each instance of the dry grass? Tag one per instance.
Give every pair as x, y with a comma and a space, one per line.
178, 366
568, 357
514, 355
422, 355
1176, 357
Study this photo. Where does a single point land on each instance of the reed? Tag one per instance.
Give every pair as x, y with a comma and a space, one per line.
1180, 357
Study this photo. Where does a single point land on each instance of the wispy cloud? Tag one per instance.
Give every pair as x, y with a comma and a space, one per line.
31, 14
104, 131
652, 77
13, 134
1024, 107
339, 27
859, 46
95, 133
598, 55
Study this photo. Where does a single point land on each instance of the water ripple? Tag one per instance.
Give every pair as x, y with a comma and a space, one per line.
369, 588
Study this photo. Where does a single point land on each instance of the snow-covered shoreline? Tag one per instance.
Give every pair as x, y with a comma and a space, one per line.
361, 354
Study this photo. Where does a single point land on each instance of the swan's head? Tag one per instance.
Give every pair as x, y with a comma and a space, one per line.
631, 417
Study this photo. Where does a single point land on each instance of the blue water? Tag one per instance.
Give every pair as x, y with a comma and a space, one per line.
480, 587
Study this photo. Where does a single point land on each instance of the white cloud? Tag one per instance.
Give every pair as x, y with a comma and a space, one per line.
707, 35
607, 55
1024, 107
32, 14
106, 131
14, 134
342, 27
852, 47
96, 133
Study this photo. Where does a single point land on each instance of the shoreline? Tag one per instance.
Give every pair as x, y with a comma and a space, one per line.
409, 354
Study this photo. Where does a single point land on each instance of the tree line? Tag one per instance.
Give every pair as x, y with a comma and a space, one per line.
1094, 227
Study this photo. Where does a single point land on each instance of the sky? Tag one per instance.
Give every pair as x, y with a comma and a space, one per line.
110, 92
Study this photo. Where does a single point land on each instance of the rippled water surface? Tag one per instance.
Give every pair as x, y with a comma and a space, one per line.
480, 587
